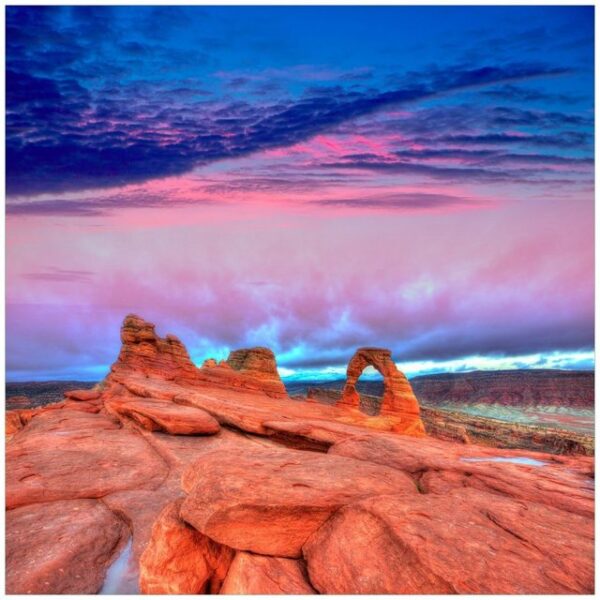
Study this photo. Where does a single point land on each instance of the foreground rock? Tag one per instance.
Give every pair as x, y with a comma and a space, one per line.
271, 501
180, 560
64, 454
255, 574
462, 543
62, 547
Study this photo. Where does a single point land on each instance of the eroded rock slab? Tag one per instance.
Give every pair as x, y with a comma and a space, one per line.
465, 542
255, 574
269, 501
62, 547
156, 415
66, 454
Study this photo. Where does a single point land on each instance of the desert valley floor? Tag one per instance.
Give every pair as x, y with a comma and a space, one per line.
166, 478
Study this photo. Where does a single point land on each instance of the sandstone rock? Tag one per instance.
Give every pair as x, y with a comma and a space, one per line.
82, 405
180, 560
66, 454
441, 466
144, 352
269, 501
466, 542
13, 422
61, 547
82, 395
398, 398
165, 416
258, 363
255, 574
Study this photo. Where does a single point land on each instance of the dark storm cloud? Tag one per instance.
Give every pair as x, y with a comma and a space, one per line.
66, 133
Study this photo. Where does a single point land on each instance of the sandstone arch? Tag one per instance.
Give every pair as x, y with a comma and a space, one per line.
398, 400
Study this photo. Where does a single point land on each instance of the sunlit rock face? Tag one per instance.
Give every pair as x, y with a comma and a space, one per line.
146, 353
217, 482
398, 398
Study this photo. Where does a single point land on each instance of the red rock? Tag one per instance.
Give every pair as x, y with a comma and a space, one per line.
269, 501
62, 547
466, 542
255, 574
258, 363
165, 416
179, 560
82, 395
66, 454
398, 398
82, 405
144, 352
13, 422
440, 467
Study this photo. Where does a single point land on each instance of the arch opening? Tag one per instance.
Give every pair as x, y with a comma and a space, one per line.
370, 387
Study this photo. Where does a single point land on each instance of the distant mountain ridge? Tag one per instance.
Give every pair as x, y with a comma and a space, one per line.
522, 388
518, 388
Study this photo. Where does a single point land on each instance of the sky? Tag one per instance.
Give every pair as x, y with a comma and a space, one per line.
310, 179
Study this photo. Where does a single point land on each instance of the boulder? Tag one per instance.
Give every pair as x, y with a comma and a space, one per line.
270, 501
467, 542
62, 547
180, 560
272, 575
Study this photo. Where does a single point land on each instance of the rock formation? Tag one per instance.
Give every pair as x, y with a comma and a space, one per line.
258, 363
212, 480
398, 398
145, 353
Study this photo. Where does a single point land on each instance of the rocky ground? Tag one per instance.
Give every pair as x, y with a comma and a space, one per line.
169, 479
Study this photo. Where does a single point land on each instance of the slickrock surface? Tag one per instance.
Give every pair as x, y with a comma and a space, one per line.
227, 485
60, 547
64, 454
